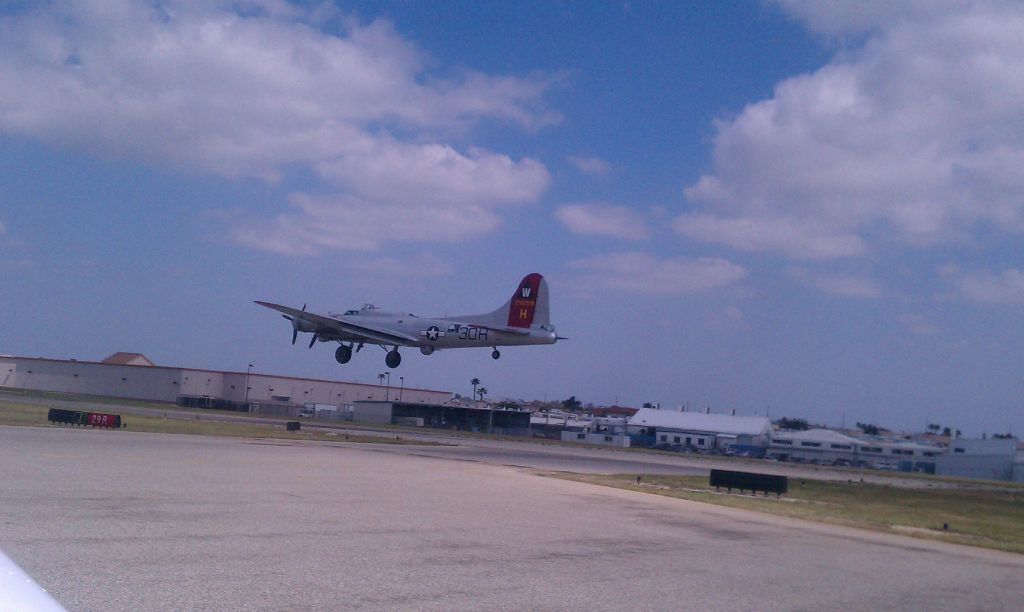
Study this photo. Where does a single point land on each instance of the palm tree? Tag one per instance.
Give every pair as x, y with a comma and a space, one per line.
474, 382
482, 392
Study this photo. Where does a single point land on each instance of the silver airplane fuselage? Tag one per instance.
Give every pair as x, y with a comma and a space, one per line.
439, 333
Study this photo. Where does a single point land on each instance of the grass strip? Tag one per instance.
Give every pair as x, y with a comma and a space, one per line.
13, 413
986, 518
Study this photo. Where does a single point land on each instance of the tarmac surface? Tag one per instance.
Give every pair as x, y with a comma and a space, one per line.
117, 520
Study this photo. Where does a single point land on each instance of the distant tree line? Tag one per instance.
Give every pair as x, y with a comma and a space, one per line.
946, 431
793, 424
869, 429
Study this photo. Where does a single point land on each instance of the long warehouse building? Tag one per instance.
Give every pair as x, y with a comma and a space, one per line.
131, 375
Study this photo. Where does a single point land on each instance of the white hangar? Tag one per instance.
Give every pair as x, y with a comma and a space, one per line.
698, 430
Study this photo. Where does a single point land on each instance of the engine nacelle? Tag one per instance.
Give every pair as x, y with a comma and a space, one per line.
302, 325
426, 350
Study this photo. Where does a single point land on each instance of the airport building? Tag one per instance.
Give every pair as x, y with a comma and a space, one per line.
127, 375
452, 416
831, 447
812, 445
552, 423
596, 437
992, 459
699, 431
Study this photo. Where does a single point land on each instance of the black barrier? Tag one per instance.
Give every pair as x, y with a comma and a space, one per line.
66, 417
293, 425
76, 417
748, 481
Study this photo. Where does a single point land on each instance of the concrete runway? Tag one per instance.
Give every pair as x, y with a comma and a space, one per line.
116, 520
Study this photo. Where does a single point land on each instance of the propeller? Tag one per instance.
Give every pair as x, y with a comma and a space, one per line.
295, 327
312, 340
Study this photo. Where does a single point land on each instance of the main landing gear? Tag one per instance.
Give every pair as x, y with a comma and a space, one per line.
343, 354
495, 354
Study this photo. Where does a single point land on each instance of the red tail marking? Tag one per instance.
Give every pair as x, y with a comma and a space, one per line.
524, 301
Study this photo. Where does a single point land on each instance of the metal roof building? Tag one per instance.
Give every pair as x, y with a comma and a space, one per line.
120, 358
197, 387
817, 445
993, 459
698, 430
827, 446
815, 435
725, 424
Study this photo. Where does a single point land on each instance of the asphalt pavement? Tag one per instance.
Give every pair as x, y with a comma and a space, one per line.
118, 520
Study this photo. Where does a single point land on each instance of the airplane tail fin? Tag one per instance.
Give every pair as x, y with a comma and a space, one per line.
528, 306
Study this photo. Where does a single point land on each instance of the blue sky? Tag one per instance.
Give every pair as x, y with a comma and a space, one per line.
813, 209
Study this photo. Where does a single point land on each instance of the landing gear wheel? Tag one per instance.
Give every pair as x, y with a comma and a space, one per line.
343, 354
495, 354
393, 359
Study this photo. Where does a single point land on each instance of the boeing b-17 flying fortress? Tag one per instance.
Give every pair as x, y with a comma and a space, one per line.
523, 320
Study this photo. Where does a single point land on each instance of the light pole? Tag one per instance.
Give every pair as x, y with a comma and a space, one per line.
247, 372
402, 388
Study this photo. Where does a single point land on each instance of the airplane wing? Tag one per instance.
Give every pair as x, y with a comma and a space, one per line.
328, 324
19, 592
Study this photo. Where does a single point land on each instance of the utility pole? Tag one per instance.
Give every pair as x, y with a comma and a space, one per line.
247, 372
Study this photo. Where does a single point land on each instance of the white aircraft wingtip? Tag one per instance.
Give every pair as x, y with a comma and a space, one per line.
19, 592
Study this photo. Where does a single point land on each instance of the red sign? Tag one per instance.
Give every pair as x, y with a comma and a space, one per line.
99, 419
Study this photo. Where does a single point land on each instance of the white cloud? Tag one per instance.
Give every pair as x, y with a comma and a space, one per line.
591, 166
636, 272
354, 224
394, 172
399, 192
915, 138
846, 285
729, 317
797, 238
851, 18
987, 287
207, 87
603, 220
248, 89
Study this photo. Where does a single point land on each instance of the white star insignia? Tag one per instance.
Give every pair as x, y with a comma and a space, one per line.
432, 333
